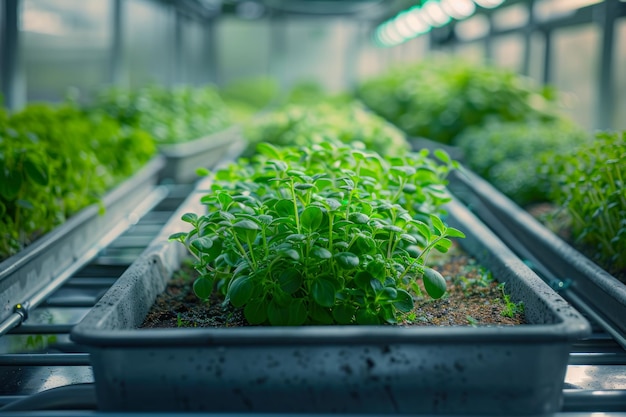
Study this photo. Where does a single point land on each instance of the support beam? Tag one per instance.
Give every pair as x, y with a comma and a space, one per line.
606, 96
13, 90
116, 70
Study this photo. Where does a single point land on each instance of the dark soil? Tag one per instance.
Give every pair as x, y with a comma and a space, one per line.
473, 299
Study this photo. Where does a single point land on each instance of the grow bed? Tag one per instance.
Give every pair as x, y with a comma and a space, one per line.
565, 268
183, 159
38, 265
359, 369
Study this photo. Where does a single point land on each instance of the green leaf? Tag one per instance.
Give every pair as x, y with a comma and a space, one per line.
203, 287
434, 283
323, 292
442, 156
285, 208
347, 260
364, 245
359, 218
180, 236
343, 313
240, 290
443, 245
404, 301
290, 280
362, 279
190, 218
36, 172
10, 185
278, 315
297, 312
311, 218
202, 244
321, 253
367, 317
408, 238
452, 232
290, 253
246, 224
438, 224
225, 199
268, 150
320, 314
256, 312
388, 294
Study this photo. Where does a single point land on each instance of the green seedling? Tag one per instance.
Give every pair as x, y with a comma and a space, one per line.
511, 308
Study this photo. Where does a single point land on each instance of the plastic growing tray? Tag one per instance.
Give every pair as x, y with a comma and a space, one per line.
182, 159
565, 267
320, 369
32, 269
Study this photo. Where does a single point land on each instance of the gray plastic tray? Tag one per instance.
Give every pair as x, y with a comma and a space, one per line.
32, 269
568, 268
182, 159
320, 369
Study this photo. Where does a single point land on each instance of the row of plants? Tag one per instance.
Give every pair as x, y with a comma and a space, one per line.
296, 124
515, 136
55, 160
169, 114
439, 98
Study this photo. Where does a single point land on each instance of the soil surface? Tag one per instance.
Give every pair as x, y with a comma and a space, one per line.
473, 298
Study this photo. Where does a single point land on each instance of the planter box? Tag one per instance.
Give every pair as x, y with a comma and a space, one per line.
34, 268
321, 369
182, 159
561, 264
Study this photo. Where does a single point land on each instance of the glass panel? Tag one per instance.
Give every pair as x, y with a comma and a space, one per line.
472, 28
149, 40
508, 51
65, 43
537, 53
195, 70
473, 52
511, 17
619, 116
553, 9
319, 49
243, 48
576, 56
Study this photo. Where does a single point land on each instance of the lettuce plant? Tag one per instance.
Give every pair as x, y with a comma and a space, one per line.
510, 154
589, 182
321, 234
56, 160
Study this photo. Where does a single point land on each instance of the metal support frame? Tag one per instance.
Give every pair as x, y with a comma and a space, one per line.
116, 70
178, 68
13, 90
606, 97
211, 60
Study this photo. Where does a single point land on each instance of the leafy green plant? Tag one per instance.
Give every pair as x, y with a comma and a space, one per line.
589, 182
510, 154
56, 160
438, 98
511, 308
321, 234
299, 125
170, 115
